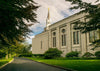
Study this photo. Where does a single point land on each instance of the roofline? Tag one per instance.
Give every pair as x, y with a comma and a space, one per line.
41, 33
65, 18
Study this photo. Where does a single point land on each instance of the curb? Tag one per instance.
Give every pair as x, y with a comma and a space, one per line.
6, 63
67, 69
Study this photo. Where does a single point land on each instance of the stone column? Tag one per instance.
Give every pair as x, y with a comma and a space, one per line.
69, 38
50, 39
58, 38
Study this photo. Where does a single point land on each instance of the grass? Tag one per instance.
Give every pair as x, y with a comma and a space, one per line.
79, 65
4, 61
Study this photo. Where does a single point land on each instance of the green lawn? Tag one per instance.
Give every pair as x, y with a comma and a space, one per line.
79, 65
4, 61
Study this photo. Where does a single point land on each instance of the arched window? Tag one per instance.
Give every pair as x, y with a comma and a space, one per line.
63, 30
54, 39
63, 37
54, 33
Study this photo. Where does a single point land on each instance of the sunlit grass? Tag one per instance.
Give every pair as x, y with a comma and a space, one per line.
4, 61
79, 65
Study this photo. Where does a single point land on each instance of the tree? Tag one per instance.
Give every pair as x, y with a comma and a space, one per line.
12, 16
92, 13
22, 48
14, 49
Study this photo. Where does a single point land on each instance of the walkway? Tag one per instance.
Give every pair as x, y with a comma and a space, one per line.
22, 64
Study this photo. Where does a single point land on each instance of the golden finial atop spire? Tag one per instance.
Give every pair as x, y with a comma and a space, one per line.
48, 9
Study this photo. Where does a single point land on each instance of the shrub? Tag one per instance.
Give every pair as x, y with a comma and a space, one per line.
97, 54
38, 55
26, 55
52, 53
72, 54
87, 54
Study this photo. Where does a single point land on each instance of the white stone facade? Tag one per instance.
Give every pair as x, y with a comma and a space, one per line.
61, 35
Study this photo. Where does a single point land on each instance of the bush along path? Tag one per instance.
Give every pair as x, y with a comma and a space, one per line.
23, 64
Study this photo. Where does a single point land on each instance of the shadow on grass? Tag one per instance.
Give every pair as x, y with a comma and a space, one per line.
3, 62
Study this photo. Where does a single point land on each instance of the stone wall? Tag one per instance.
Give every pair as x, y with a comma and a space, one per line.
40, 43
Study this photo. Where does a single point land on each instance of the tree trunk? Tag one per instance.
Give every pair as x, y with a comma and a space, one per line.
9, 55
6, 56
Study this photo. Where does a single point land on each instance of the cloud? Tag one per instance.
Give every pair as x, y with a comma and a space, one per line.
59, 9
56, 9
29, 39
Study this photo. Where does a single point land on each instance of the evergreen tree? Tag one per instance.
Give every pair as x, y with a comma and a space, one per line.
12, 16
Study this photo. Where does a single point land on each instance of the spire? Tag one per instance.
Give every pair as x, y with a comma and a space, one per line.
48, 20
48, 17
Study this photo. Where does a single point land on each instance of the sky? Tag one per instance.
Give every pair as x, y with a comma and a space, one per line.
59, 9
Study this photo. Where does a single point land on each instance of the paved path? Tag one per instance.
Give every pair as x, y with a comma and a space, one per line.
22, 64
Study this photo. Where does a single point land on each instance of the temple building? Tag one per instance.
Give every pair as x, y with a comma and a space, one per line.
62, 36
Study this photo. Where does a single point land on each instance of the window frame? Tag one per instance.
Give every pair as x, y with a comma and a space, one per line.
63, 37
54, 39
76, 37
41, 44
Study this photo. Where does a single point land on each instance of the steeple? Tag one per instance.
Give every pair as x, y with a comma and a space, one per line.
48, 14
48, 20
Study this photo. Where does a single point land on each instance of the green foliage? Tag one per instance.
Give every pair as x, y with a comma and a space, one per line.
22, 48
13, 14
17, 49
26, 55
38, 55
52, 53
4, 61
72, 54
2, 54
88, 54
97, 54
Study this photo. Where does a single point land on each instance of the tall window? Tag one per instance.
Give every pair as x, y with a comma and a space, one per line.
41, 44
93, 35
54, 39
76, 37
63, 37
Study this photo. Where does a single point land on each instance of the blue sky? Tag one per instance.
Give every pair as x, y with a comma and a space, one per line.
59, 9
